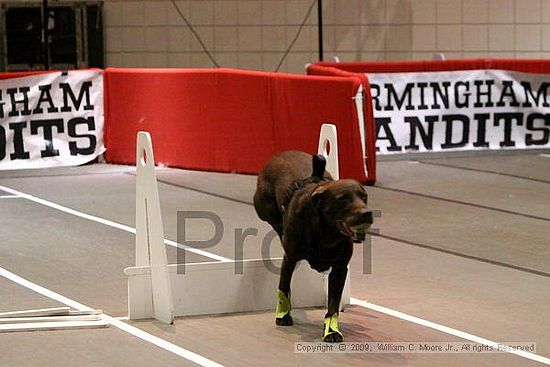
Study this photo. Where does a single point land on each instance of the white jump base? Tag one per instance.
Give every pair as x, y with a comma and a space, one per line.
156, 290
214, 288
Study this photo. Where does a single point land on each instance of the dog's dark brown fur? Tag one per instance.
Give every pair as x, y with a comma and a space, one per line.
317, 219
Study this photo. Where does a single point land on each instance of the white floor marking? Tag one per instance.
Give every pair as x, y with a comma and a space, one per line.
159, 342
545, 155
143, 335
43, 291
444, 329
10, 196
107, 222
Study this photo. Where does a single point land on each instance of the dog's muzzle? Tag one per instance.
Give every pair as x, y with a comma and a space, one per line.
357, 232
361, 224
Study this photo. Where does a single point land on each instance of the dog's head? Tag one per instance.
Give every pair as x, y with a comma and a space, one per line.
343, 204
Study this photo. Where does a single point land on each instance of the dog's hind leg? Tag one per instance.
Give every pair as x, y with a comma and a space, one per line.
282, 313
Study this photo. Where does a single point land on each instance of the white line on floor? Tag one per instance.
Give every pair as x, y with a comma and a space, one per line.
545, 155
143, 335
9, 196
107, 222
445, 329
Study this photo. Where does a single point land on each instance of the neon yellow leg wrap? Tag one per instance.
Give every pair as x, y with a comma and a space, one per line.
331, 325
283, 304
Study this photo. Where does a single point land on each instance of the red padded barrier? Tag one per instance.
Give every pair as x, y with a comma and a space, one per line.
228, 120
527, 66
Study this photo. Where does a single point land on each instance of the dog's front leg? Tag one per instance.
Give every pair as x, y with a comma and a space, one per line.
336, 281
282, 313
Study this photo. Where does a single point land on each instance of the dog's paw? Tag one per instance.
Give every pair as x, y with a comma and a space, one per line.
282, 313
334, 337
286, 320
332, 333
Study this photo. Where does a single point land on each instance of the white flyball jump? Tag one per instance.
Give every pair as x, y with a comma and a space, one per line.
157, 290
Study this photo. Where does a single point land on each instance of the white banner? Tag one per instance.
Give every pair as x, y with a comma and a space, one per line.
53, 119
460, 110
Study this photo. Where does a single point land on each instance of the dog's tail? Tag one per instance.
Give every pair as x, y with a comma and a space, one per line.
319, 163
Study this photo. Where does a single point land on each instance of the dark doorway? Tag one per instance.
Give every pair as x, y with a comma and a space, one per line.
75, 36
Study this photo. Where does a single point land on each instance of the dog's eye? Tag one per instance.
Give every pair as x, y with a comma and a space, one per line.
345, 199
340, 197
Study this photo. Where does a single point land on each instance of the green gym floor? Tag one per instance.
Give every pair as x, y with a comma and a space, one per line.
463, 252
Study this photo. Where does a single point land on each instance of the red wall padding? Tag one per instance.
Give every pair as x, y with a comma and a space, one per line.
528, 66
228, 120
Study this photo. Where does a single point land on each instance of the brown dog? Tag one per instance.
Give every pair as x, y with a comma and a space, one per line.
318, 220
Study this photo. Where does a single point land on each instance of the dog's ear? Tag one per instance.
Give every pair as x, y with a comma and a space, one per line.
318, 165
318, 194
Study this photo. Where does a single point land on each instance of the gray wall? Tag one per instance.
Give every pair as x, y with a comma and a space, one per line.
254, 34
